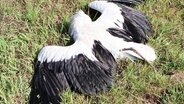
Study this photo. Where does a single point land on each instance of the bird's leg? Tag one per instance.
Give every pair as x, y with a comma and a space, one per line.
135, 51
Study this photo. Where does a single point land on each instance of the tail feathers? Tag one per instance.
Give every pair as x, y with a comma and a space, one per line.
139, 51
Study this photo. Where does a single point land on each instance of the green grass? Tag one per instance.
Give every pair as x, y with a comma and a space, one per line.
26, 26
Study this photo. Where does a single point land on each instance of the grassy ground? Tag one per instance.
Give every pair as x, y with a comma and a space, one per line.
26, 26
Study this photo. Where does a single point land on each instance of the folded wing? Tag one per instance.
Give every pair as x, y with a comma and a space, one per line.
123, 21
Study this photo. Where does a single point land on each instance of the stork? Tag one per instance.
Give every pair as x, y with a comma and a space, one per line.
86, 66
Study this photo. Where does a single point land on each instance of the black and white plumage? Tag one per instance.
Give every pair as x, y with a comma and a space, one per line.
84, 68
122, 29
87, 65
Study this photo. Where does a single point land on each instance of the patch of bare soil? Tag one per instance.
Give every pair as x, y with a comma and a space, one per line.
150, 99
176, 76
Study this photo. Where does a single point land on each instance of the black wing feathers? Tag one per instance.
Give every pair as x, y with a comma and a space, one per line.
79, 73
47, 83
127, 2
90, 77
120, 33
103, 55
136, 26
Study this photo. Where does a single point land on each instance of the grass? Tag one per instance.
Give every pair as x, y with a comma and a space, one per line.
26, 26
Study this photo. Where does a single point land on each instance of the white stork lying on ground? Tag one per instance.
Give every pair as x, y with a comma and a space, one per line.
86, 66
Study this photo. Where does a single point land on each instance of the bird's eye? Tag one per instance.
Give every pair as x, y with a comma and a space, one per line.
94, 14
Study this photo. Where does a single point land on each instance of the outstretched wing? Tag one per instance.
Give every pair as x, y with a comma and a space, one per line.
82, 69
122, 21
